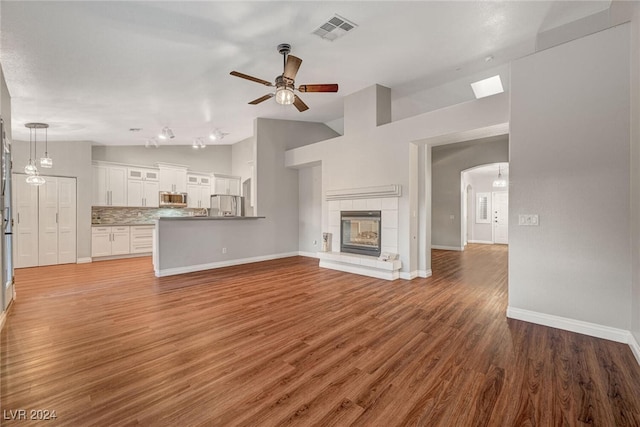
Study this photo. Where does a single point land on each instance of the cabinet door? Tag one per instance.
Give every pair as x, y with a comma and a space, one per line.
67, 221
119, 240
181, 181
100, 180
101, 244
205, 180
234, 186
48, 222
192, 179
134, 193
205, 196
193, 196
151, 194
167, 179
118, 185
25, 214
151, 175
135, 173
221, 186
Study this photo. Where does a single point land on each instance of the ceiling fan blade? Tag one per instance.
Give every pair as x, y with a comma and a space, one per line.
253, 79
319, 88
301, 106
262, 99
292, 66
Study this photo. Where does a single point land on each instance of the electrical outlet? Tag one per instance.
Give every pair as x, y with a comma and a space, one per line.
224, 250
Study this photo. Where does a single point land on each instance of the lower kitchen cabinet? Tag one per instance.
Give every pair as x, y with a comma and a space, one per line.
141, 239
107, 241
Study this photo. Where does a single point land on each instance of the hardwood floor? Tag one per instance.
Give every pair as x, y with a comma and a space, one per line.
285, 342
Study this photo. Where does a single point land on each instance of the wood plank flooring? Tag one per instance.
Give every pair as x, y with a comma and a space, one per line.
286, 343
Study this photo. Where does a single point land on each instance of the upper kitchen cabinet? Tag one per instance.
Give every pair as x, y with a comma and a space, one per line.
198, 190
109, 185
226, 184
143, 187
173, 178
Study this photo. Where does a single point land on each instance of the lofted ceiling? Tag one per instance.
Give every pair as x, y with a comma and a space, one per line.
94, 69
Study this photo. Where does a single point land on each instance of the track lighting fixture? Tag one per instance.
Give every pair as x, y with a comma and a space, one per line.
166, 133
216, 135
151, 142
198, 143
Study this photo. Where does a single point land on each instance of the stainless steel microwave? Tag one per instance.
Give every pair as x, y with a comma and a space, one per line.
173, 200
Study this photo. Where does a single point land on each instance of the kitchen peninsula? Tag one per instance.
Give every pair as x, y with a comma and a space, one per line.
187, 244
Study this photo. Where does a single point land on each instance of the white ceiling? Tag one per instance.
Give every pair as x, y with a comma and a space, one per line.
93, 69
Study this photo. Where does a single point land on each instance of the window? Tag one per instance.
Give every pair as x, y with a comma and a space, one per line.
482, 208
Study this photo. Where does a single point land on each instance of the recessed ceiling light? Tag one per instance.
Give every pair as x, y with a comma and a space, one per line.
487, 87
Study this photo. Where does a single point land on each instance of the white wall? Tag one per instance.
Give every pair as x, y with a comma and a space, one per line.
569, 149
448, 161
213, 158
310, 209
372, 155
72, 159
635, 176
277, 187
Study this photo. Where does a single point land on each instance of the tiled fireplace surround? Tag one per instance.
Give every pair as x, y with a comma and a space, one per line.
362, 264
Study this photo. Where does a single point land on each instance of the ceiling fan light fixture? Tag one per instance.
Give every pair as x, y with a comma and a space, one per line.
285, 95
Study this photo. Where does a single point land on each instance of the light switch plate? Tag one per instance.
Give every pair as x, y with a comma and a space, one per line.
528, 219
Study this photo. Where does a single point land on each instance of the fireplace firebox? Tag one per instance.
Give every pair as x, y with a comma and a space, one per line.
360, 232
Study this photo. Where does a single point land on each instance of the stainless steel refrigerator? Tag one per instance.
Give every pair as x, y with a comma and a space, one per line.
226, 205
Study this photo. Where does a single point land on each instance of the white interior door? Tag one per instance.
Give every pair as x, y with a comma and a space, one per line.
66, 220
501, 217
25, 203
48, 222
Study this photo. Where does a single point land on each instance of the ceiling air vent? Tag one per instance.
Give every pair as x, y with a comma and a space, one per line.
334, 28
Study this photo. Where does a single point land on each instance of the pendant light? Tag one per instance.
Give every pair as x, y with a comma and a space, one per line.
30, 169
46, 161
500, 182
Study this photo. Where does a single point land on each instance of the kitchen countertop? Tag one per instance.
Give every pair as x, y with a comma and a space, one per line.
206, 218
121, 224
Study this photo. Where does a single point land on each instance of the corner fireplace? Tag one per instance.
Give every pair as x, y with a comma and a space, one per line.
360, 232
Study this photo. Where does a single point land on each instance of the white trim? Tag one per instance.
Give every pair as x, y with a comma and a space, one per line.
635, 347
356, 269
219, 264
84, 260
482, 242
123, 256
572, 325
393, 190
425, 273
447, 248
308, 254
3, 318
409, 276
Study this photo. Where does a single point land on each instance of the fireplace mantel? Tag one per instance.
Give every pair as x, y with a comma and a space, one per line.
392, 190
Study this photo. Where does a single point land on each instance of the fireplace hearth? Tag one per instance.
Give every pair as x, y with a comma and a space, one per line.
360, 232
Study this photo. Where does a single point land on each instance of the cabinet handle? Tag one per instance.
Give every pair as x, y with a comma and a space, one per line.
56, 217
18, 217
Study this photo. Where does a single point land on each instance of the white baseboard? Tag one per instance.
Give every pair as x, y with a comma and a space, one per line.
84, 260
482, 242
308, 254
572, 325
219, 264
409, 276
635, 347
447, 248
425, 273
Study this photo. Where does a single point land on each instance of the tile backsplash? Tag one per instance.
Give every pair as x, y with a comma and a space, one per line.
121, 215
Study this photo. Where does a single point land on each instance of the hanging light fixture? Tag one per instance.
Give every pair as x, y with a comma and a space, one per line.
500, 182
35, 180
30, 168
46, 161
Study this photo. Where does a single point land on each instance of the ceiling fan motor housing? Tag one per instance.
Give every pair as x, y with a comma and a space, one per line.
284, 48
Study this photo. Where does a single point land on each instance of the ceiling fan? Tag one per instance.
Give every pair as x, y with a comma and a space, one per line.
285, 83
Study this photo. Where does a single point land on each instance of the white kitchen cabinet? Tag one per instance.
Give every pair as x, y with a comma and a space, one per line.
198, 191
141, 239
110, 240
45, 222
142, 193
173, 179
109, 185
225, 184
143, 174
